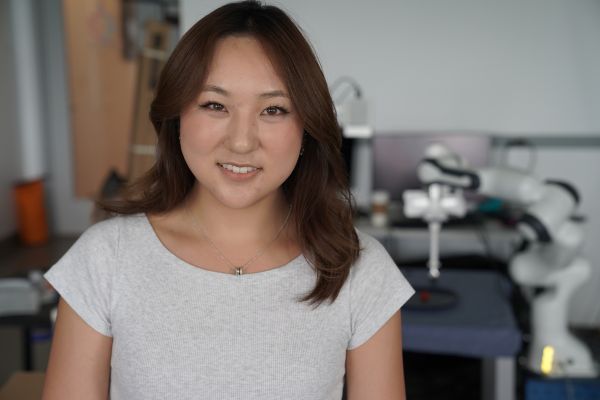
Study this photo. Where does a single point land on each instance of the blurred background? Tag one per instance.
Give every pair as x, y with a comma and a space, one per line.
77, 76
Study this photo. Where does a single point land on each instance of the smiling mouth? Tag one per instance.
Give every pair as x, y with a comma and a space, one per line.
237, 170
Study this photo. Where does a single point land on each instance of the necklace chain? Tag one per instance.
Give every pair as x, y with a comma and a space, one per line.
239, 270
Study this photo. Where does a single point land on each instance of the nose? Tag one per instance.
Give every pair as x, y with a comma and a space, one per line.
242, 133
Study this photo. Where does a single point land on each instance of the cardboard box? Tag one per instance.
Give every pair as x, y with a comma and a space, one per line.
23, 386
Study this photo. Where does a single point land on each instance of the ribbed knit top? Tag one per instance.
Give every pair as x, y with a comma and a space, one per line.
183, 332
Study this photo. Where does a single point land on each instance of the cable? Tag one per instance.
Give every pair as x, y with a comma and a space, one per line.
532, 161
351, 82
569, 389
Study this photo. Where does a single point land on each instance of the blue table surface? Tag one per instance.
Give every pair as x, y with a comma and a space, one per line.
480, 324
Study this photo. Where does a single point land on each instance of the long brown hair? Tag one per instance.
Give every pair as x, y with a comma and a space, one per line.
317, 189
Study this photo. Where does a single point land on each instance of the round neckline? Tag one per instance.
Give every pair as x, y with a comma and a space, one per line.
250, 277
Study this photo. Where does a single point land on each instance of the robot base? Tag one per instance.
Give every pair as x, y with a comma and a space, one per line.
554, 351
569, 359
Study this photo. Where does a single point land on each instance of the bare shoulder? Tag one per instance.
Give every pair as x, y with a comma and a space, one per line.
79, 364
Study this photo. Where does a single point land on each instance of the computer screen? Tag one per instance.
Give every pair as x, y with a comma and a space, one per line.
397, 155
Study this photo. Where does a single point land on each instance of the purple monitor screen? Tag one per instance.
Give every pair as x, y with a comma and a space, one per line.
396, 156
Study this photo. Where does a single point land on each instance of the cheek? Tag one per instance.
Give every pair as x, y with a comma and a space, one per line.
195, 144
196, 137
287, 151
287, 142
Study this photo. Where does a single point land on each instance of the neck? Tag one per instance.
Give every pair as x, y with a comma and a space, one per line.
256, 223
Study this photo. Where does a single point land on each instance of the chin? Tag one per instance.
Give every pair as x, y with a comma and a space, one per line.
240, 196
238, 201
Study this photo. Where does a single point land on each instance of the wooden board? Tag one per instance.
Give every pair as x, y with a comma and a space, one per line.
102, 89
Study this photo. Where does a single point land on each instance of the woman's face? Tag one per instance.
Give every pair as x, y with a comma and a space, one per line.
241, 138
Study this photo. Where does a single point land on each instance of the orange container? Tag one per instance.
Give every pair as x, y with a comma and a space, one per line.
31, 212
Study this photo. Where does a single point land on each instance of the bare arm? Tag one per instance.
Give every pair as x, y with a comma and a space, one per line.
374, 370
79, 364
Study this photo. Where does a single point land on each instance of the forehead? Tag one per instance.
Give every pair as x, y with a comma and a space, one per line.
243, 61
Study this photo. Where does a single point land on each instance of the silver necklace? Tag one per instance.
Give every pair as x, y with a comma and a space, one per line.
239, 270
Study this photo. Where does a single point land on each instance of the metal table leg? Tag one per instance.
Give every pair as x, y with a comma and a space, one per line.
498, 378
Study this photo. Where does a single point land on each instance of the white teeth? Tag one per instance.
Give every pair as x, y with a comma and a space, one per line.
238, 170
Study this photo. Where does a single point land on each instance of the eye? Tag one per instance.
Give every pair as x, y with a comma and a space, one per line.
213, 106
275, 110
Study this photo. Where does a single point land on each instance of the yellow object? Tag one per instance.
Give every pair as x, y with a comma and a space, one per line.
547, 360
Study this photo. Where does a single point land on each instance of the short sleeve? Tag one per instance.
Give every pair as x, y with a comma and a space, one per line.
84, 275
377, 290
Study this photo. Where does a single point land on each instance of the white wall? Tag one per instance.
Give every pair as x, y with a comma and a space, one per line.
68, 214
509, 66
28, 97
512, 67
49, 119
9, 140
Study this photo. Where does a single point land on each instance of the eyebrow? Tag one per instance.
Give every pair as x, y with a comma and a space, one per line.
266, 95
273, 93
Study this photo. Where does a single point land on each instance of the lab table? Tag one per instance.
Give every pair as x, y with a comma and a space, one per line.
17, 260
480, 324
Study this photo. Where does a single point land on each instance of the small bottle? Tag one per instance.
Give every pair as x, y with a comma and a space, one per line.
380, 202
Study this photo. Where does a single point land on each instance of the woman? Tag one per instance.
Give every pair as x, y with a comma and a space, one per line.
234, 270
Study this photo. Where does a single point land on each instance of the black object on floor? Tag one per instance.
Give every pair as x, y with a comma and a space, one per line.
431, 377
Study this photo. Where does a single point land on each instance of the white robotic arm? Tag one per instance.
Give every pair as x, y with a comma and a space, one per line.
447, 175
552, 261
547, 204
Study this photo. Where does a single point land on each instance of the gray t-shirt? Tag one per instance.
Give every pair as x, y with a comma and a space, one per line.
183, 332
